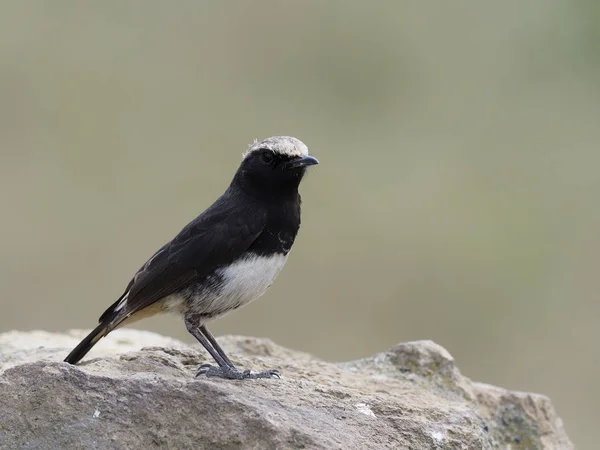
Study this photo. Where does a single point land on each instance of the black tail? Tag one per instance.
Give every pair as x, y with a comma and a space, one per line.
86, 345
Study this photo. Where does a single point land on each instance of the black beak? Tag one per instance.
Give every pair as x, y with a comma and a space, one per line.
303, 161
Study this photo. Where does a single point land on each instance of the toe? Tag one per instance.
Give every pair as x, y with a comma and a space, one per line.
266, 374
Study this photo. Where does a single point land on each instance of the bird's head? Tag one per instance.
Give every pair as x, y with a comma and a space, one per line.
275, 165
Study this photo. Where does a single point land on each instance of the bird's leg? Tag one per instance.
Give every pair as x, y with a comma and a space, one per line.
226, 369
230, 372
208, 335
192, 325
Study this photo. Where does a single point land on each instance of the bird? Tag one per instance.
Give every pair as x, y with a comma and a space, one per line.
223, 259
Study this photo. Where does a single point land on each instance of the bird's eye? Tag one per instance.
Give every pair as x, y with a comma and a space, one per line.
267, 157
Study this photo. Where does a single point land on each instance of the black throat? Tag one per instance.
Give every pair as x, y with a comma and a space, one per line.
283, 208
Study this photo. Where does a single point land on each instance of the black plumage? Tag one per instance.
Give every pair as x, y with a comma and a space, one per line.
226, 257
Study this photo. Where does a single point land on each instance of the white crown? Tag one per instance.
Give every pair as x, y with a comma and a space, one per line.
284, 145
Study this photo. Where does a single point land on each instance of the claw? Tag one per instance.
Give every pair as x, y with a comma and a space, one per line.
204, 368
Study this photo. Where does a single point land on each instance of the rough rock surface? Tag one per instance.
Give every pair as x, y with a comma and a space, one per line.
124, 396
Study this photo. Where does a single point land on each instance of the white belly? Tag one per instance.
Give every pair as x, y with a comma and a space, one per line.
243, 281
249, 278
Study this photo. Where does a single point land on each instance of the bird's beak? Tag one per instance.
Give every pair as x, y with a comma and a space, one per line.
303, 161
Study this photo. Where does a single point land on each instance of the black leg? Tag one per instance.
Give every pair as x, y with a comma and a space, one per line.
226, 368
215, 345
194, 329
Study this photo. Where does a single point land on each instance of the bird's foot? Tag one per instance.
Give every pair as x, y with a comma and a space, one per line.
231, 373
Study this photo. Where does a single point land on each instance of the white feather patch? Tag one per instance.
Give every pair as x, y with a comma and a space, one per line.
243, 281
122, 303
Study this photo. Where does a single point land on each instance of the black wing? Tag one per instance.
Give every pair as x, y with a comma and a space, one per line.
219, 235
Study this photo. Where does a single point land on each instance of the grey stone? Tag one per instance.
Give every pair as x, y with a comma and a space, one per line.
137, 390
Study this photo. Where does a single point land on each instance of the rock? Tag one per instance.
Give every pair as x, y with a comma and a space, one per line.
124, 396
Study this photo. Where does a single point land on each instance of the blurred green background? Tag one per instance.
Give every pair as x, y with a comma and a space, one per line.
456, 200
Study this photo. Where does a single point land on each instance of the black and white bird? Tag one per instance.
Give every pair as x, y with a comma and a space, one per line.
223, 259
